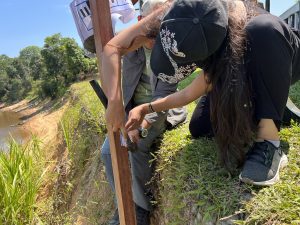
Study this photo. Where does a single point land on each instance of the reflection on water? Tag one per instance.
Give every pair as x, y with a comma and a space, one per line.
8, 128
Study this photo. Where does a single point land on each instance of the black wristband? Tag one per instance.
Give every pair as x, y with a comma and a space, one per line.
151, 108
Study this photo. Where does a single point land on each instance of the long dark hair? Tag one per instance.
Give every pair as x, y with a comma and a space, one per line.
231, 109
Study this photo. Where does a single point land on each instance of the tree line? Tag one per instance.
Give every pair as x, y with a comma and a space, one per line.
44, 72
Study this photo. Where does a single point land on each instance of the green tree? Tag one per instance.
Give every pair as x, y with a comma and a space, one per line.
32, 59
47, 71
15, 90
65, 62
53, 55
3, 85
20, 72
5, 62
18, 83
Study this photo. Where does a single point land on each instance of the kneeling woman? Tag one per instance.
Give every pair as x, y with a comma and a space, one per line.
249, 59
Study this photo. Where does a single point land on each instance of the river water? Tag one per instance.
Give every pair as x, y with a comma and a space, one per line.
9, 127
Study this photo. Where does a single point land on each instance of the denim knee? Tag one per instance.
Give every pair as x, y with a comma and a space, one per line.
105, 149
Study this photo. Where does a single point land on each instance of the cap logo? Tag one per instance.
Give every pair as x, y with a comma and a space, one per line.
170, 45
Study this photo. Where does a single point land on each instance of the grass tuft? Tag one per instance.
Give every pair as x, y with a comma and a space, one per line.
20, 179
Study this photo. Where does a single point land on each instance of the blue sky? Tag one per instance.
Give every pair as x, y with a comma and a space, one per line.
28, 22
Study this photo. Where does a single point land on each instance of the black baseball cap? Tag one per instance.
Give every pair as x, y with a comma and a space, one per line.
190, 32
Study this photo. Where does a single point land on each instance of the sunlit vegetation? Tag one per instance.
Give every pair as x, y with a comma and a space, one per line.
44, 72
21, 174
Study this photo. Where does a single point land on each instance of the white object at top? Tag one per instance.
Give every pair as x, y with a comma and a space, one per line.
123, 9
119, 9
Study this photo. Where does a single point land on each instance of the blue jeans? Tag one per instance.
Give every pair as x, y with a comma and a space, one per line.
141, 169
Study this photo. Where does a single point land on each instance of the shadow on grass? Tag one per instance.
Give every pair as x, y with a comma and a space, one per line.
285, 146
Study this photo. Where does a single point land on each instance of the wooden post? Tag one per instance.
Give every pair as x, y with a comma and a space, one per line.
122, 176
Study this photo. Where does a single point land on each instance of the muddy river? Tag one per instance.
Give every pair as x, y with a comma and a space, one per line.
9, 128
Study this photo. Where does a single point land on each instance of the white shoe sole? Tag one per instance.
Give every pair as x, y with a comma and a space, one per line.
283, 162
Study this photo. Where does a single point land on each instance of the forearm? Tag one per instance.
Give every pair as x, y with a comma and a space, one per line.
111, 73
196, 89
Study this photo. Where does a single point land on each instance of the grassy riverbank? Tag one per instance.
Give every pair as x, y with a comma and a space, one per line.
190, 186
81, 192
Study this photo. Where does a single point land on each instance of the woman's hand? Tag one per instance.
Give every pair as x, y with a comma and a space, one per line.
115, 116
135, 117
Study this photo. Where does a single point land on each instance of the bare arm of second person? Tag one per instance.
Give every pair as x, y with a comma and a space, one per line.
197, 88
126, 41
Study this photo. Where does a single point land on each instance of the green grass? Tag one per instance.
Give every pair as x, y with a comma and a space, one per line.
21, 175
192, 182
182, 84
81, 120
192, 187
69, 124
89, 100
83, 129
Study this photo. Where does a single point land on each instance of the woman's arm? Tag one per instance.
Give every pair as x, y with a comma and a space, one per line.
197, 88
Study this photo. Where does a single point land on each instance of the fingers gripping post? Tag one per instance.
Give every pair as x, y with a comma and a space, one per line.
103, 33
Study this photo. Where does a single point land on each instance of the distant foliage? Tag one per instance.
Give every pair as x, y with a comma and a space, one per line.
44, 72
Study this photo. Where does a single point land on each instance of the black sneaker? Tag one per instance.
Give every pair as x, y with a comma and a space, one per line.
262, 164
142, 216
115, 219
